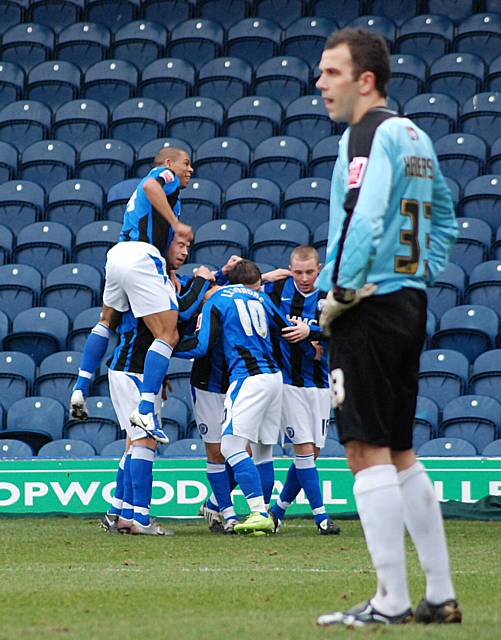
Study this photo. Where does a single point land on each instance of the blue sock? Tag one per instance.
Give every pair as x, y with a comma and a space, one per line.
141, 470
267, 475
220, 483
247, 476
94, 350
117, 500
128, 499
288, 494
307, 474
156, 365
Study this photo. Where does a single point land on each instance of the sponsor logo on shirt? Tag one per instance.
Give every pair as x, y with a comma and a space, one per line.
412, 133
167, 175
356, 172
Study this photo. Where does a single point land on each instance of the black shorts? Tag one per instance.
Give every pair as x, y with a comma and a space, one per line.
377, 345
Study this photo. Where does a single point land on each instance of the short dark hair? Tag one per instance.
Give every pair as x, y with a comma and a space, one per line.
369, 52
245, 272
168, 153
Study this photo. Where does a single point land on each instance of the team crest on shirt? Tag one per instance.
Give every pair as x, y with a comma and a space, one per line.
203, 429
356, 172
412, 133
290, 432
167, 175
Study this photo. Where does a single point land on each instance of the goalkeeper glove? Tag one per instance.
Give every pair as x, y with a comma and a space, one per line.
334, 308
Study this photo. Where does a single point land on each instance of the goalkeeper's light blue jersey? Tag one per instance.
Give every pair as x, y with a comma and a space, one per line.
392, 219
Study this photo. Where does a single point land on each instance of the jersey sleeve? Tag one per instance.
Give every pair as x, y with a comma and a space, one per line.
278, 321
206, 335
191, 297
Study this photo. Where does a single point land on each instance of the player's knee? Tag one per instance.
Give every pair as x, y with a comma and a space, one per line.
110, 317
214, 454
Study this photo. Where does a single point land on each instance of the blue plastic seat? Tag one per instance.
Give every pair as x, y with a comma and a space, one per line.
111, 13
494, 160
75, 202
428, 36
196, 40
55, 14
222, 160
284, 12
47, 163
436, 113
252, 201
332, 449
114, 449
493, 77
253, 39
493, 449
100, 428
11, 82
14, 449
83, 44
11, 13
253, 119
485, 378
20, 286
443, 374
37, 413
408, 74
457, 74
197, 119
457, 10
57, 375
24, 122
167, 80
320, 235
480, 33
80, 122
306, 118
72, 288
447, 290
110, 82
106, 162
218, 240
118, 197
342, 11
283, 157
470, 329
425, 421
93, 241
431, 327
17, 374
323, 157
274, 240
481, 115
82, 325
53, 83
146, 154
283, 78
46, 244
473, 243
4, 325
379, 24
21, 202
138, 120
496, 246
139, 42
8, 161
454, 188
450, 447
307, 200
305, 38
175, 416
225, 12
6, 244
167, 12
27, 44
67, 448
189, 447
38, 332
473, 418
397, 10
462, 156
225, 79
484, 286
482, 199
201, 201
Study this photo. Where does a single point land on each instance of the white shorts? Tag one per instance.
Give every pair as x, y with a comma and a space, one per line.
208, 407
125, 394
253, 408
137, 279
305, 415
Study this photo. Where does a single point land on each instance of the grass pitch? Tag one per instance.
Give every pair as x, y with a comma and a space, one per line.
66, 578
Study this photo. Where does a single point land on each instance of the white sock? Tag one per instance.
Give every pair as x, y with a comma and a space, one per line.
379, 502
423, 519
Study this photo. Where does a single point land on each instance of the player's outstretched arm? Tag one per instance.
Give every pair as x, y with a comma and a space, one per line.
191, 299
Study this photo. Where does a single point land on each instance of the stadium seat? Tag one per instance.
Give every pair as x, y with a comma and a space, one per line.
27, 44
57, 375
222, 160
8, 161
455, 190
447, 289
196, 40
283, 78
11, 82
167, 80
274, 240
24, 122
94, 241
379, 24
462, 156
484, 286
496, 246
431, 327
21, 202
481, 115
72, 288
473, 243
101, 386
493, 449
485, 378
320, 236
427, 36
342, 11
408, 73
284, 12
82, 326
55, 14
111, 13
306, 118
6, 244
253, 119
307, 200
53, 83
118, 197
493, 77
114, 449
253, 39
176, 416
457, 10
37, 413
470, 329
189, 447
494, 160
225, 80
139, 42
225, 12
436, 113
74, 202
200, 202
482, 199
46, 244
396, 10
17, 374
443, 374
100, 428
167, 12
83, 44
20, 286
476, 419
79, 122
67, 448
480, 33
11, 13
4, 325
197, 119
138, 120
323, 157
218, 240
146, 154
425, 421
451, 447
457, 74
106, 162
283, 157
332, 449
110, 82
14, 449
252, 201
305, 38
47, 163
